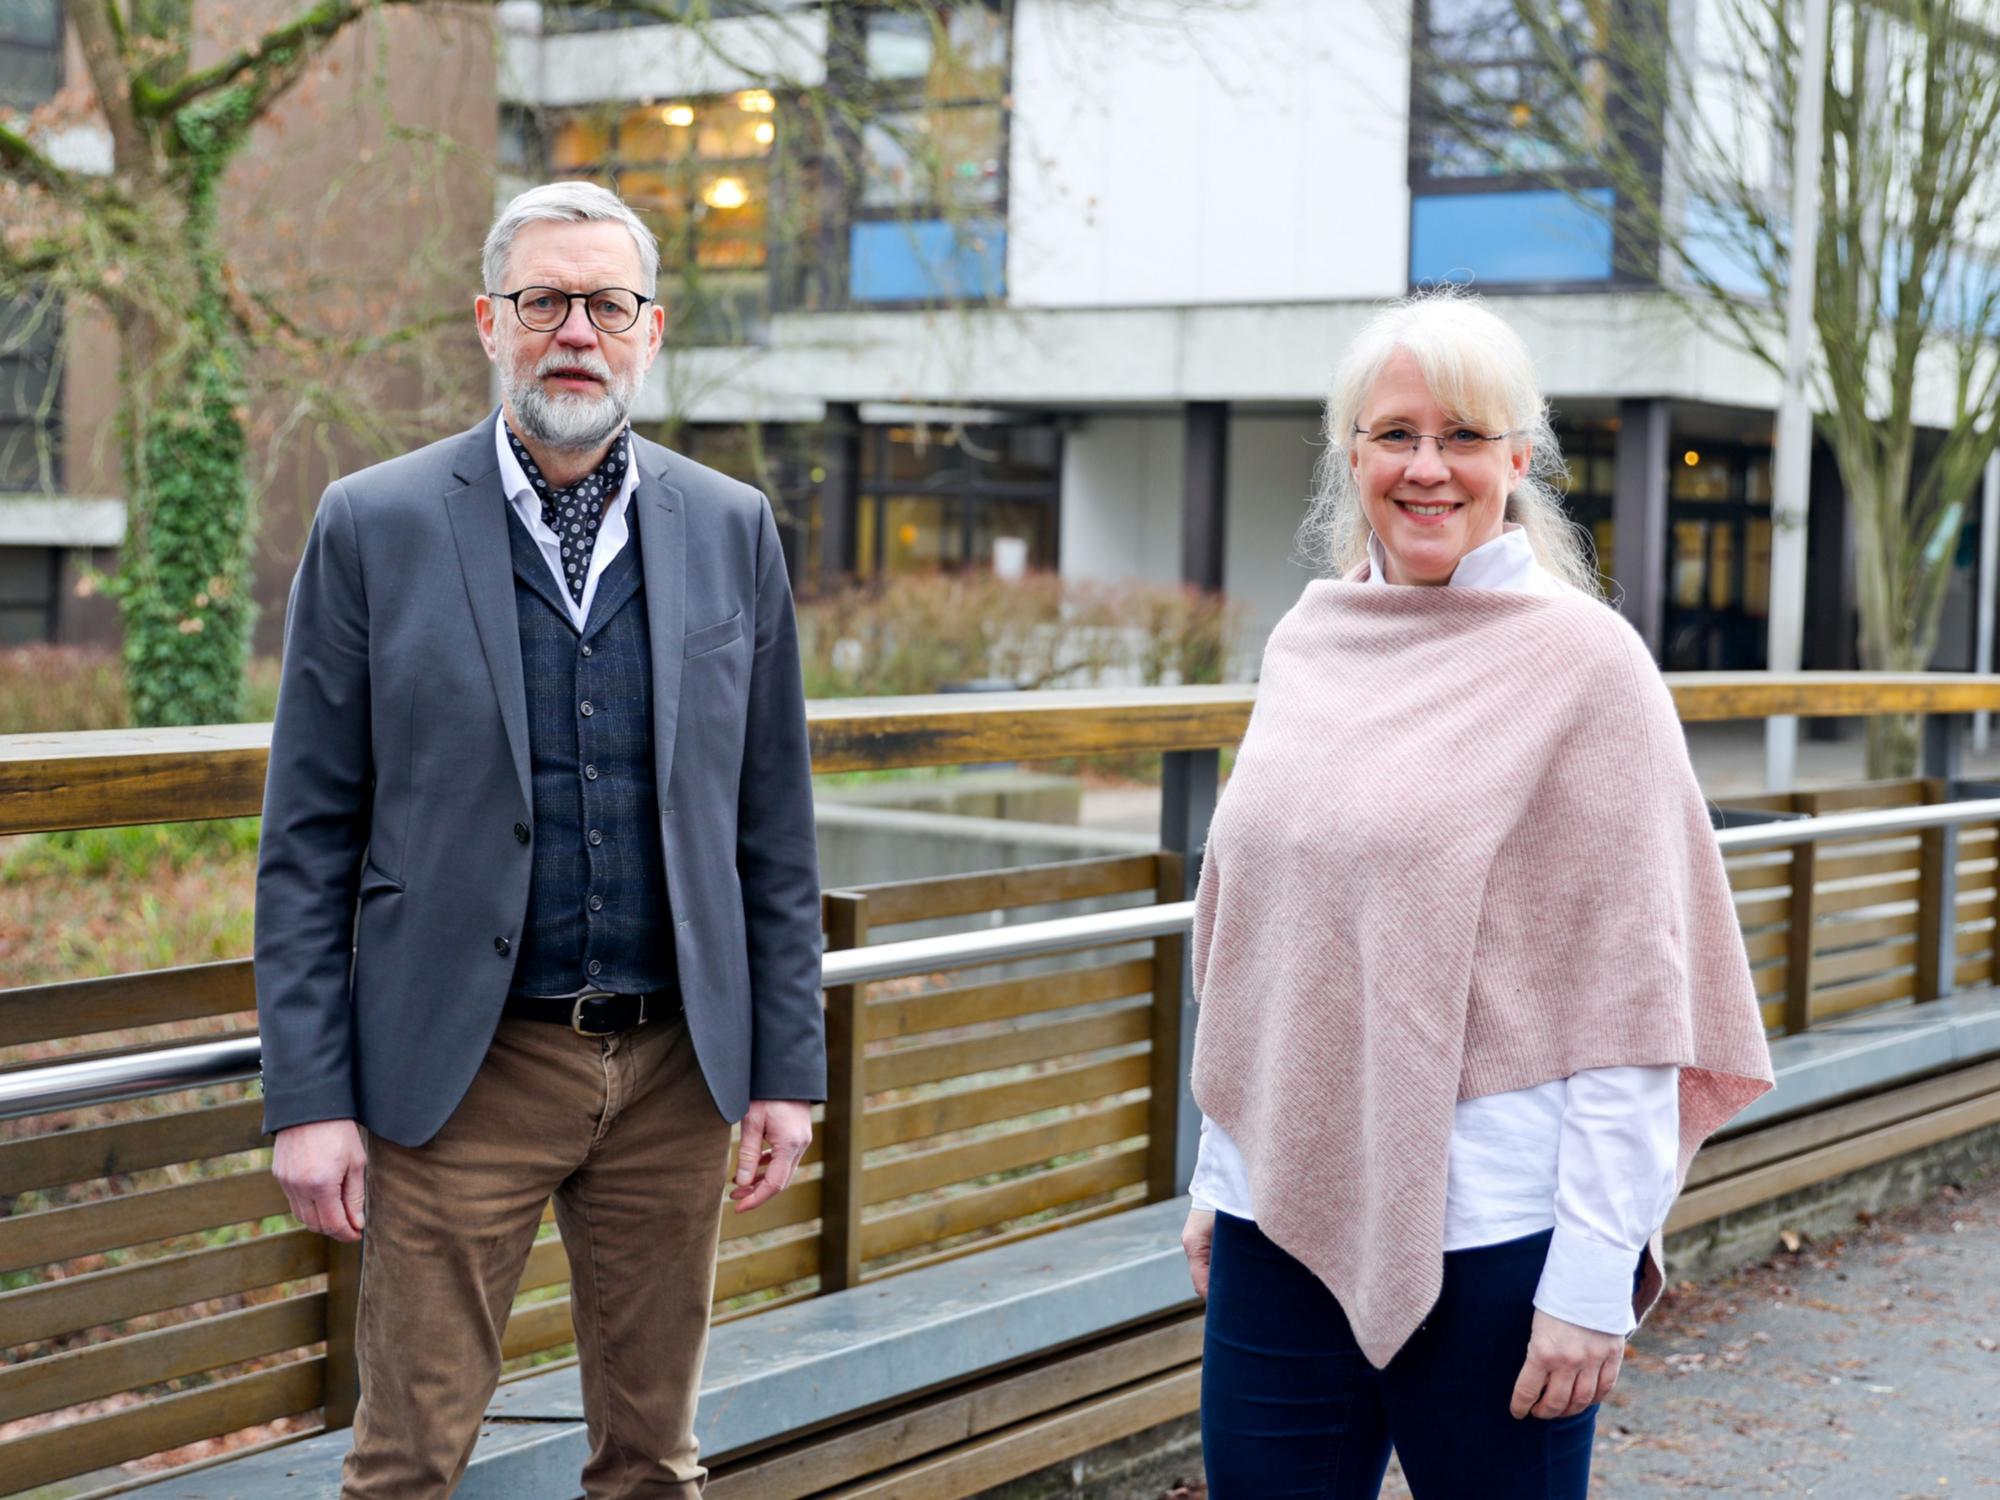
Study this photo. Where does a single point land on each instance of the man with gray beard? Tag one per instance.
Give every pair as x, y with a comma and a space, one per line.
537, 894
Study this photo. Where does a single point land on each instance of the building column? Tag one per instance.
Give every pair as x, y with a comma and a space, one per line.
1204, 492
1830, 606
839, 494
1639, 517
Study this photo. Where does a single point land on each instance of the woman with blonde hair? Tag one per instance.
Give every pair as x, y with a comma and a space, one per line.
1472, 989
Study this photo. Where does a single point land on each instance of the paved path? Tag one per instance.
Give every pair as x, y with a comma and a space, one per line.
1864, 1368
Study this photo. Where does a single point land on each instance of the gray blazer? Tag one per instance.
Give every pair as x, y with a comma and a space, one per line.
391, 884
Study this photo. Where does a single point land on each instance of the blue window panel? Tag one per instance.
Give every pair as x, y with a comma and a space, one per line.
1720, 246
1511, 237
927, 260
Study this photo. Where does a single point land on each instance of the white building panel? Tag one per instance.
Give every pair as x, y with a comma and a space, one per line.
1167, 153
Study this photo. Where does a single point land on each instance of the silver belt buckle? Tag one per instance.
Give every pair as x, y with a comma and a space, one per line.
584, 996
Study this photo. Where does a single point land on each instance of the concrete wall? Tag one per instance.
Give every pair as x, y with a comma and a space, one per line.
1121, 509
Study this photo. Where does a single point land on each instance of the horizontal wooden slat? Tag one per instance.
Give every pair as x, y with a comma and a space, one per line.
1975, 972
966, 1005
999, 890
940, 1165
933, 1062
774, 1265
1859, 963
961, 1212
228, 1406
946, 729
1788, 1175
66, 1156
547, 1266
1769, 978
1840, 866
1872, 893
105, 778
1760, 1147
1906, 791
796, 1204
55, 1308
984, 1463
1829, 937
1744, 876
1852, 997
43, 1012
1068, 1219
137, 1218
101, 778
804, 1469
60, 1380
981, 1106
538, 1326
1762, 947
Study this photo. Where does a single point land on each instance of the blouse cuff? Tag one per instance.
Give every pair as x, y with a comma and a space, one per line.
1588, 1283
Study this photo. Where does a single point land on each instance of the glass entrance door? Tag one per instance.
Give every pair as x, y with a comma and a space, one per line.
1719, 561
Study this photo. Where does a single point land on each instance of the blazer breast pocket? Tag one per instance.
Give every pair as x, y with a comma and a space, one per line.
713, 637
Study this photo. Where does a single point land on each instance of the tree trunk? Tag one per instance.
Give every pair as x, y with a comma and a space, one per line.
184, 584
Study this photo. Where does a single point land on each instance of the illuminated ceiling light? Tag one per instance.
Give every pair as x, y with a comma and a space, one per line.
678, 114
908, 535
1690, 458
756, 101
726, 192
765, 132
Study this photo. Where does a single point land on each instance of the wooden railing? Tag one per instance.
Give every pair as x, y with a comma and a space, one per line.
158, 1295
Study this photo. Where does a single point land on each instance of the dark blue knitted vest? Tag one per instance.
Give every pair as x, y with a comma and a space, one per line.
597, 899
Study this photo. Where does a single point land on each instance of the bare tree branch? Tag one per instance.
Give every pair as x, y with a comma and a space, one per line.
100, 31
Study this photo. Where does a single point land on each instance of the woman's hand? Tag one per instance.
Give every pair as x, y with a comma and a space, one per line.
1567, 1368
1197, 1240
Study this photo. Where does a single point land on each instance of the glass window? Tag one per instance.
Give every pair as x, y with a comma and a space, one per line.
30, 51
933, 156
1700, 476
919, 532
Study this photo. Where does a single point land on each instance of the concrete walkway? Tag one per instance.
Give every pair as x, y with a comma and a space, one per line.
1862, 1368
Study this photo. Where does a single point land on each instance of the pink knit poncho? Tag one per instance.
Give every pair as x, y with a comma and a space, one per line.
1462, 852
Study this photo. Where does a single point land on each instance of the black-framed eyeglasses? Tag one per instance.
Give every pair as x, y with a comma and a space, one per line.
544, 309
1458, 442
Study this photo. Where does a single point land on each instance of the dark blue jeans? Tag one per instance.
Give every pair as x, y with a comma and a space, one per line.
1291, 1410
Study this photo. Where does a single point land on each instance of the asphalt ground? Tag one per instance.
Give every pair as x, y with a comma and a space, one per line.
1863, 1367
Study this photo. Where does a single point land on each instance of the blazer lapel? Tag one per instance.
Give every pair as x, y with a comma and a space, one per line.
663, 551
478, 513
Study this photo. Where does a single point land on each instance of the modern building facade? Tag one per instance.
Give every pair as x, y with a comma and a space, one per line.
1079, 274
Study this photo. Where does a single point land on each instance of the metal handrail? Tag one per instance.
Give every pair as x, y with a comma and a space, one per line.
33, 1091
1878, 822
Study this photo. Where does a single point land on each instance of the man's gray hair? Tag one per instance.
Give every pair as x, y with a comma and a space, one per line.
567, 203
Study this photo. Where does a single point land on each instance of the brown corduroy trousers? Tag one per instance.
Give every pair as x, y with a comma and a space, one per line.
622, 1132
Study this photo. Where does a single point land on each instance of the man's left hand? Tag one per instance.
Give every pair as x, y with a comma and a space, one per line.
776, 1133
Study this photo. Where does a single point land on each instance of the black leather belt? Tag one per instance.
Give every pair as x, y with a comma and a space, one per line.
597, 1012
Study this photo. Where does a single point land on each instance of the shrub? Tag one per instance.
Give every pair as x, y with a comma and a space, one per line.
920, 633
46, 689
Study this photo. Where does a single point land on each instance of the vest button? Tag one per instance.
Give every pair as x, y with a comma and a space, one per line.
586, 650
593, 968
590, 773
586, 710
597, 903
596, 837
501, 945
521, 833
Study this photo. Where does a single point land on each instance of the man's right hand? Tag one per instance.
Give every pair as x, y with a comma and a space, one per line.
321, 1167
1198, 1243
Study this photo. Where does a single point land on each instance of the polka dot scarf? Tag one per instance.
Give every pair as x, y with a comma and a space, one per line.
574, 514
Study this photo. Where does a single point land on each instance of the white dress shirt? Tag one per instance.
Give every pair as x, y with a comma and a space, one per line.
612, 533
1591, 1155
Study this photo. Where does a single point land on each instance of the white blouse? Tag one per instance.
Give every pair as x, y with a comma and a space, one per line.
1591, 1155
